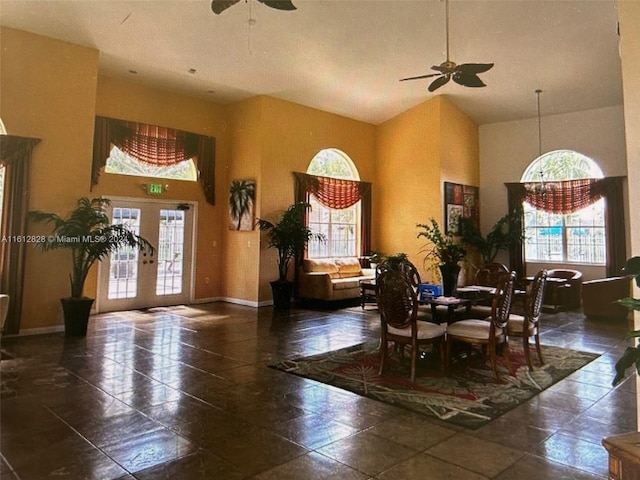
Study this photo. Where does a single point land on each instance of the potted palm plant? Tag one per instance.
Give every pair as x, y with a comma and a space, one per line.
89, 236
631, 356
289, 235
445, 250
506, 232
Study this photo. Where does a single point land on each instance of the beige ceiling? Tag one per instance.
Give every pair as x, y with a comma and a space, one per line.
346, 56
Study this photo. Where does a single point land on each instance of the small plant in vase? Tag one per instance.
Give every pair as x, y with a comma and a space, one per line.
445, 250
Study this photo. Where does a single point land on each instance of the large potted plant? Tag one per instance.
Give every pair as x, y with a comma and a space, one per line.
289, 235
624, 451
506, 232
631, 356
89, 236
444, 249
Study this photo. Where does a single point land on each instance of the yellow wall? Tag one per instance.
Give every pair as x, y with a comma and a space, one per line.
629, 15
51, 90
417, 151
133, 102
48, 91
241, 249
291, 136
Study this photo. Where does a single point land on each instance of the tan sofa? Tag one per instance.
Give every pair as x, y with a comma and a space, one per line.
332, 278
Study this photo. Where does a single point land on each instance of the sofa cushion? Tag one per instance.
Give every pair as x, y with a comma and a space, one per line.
346, 283
321, 265
348, 267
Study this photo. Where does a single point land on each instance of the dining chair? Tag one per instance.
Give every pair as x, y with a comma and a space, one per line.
410, 272
528, 325
491, 332
488, 275
398, 307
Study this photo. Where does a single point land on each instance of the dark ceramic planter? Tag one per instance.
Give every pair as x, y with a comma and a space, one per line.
282, 292
76, 315
449, 273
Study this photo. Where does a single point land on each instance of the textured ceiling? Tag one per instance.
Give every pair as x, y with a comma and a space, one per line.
347, 56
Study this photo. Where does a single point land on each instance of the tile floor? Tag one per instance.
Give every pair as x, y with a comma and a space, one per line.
185, 393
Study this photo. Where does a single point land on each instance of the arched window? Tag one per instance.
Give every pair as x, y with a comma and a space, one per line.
340, 226
122, 164
577, 237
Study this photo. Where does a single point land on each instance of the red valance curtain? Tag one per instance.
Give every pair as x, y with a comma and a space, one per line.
333, 192
567, 196
337, 193
155, 145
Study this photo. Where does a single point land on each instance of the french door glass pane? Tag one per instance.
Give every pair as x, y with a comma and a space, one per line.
123, 274
170, 252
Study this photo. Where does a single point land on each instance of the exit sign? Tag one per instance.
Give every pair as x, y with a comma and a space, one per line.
154, 189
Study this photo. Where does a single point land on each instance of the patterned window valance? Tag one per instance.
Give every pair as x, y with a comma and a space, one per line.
160, 146
333, 192
570, 196
567, 196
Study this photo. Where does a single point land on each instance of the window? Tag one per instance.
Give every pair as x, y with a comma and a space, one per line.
577, 237
340, 227
122, 164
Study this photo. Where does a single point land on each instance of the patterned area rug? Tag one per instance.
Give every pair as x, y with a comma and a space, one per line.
468, 395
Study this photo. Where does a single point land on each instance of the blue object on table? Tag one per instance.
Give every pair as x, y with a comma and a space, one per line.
427, 290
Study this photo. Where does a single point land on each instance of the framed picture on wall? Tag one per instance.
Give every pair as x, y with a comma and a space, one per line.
460, 201
242, 196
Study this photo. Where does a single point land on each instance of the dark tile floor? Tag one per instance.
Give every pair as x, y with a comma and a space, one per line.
185, 393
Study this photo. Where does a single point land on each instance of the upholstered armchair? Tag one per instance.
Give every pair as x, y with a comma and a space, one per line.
599, 297
564, 289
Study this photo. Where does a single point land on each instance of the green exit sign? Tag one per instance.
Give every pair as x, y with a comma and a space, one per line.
154, 189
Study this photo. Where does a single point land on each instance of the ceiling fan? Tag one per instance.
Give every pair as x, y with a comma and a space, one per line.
465, 74
219, 6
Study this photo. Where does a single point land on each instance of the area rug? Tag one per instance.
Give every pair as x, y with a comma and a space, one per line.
468, 395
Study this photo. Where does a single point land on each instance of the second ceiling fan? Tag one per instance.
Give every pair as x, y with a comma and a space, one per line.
219, 6
465, 74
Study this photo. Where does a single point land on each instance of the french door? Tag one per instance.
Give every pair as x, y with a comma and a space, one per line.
132, 279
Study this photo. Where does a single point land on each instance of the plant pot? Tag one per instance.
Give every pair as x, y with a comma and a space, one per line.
76, 315
282, 292
449, 273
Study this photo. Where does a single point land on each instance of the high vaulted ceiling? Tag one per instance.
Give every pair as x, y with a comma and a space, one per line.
346, 56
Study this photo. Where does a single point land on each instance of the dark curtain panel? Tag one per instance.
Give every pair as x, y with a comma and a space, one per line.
614, 225
515, 196
568, 197
206, 163
15, 155
365, 223
155, 145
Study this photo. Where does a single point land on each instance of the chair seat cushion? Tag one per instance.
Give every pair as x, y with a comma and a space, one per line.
516, 325
426, 330
471, 329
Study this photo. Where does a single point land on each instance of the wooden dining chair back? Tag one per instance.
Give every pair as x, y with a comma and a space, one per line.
528, 325
398, 307
490, 274
405, 267
491, 333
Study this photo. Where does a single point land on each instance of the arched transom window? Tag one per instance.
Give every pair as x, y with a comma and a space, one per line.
577, 237
340, 226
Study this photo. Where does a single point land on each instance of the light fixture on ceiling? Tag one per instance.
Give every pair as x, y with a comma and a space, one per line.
540, 188
465, 74
219, 6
